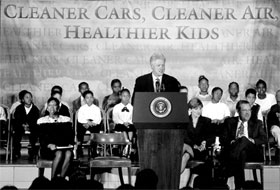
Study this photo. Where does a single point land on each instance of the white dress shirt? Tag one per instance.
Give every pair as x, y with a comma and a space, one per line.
216, 111
245, 124
155, 80
119, 116
89, 112
83, 102
27, 110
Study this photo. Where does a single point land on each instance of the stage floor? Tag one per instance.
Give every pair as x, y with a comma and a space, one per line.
22, 172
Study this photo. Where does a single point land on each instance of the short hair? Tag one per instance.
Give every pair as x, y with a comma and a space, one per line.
57, 88
260, 81
233, 83
250, 91
26, 92
82, 83
183, 87
53, 99
194, 103
216, 89
239, 103
21, 94
146, 179
87, 92
56, 92
157, 56
125, 90
115, 81
202, 77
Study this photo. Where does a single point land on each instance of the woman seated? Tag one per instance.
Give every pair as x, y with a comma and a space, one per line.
56, 138
197, 134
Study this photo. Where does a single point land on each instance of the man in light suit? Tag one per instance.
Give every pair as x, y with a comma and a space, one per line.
242, 139
156, 81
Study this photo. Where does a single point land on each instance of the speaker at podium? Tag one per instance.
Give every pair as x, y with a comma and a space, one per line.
160, 120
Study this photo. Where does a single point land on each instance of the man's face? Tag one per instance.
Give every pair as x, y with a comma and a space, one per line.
251, 98
203, 85
158, 67
261, 89
245, 112
116, 87
233, 90
217, 95
83, 88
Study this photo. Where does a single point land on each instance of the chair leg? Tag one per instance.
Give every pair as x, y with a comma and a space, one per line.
121, 176
190, 178
129, 175
261, 174
41, 172
255, 175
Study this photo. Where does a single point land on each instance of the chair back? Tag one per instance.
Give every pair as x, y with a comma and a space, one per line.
109, 117
9, 132
110, 139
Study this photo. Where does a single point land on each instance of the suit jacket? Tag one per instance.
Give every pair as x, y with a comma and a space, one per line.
145, 83
255, 131
272, 118
194, 136
21, 117
77, 104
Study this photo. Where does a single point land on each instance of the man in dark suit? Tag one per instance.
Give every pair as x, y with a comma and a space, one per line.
83, 86
242, 140
156, 81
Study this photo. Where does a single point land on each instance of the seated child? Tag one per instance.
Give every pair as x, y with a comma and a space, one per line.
89, 118
122, 115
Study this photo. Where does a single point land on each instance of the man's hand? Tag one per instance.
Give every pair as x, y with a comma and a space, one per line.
52, 146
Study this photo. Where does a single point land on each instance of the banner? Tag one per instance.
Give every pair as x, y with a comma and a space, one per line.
56, 42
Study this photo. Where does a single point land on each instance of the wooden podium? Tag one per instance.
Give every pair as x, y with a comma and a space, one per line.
160, 119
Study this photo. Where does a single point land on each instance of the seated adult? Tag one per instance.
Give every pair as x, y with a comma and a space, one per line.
184, 89
273, 121
216, 111
56, 138
197, 136
242, 139
114, 98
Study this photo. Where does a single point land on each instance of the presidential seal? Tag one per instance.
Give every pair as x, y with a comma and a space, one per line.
160, 107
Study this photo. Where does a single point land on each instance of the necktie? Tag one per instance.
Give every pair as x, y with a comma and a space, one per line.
157, 85
125, 109
240, 131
